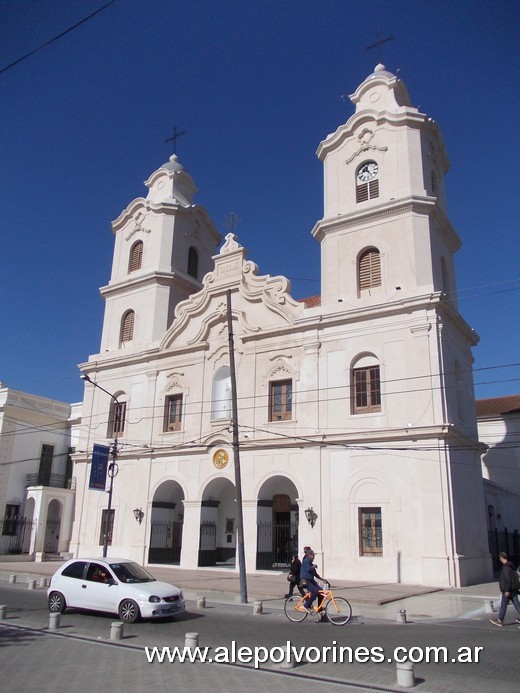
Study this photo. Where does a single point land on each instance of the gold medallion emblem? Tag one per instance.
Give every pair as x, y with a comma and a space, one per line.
220, 458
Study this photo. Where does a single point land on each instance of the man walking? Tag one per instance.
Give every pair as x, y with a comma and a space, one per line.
509, 584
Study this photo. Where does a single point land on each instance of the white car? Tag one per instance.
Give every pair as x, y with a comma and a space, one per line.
115, 585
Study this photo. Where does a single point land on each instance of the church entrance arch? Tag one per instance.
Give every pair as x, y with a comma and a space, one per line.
217, 544
166, 524
277, 524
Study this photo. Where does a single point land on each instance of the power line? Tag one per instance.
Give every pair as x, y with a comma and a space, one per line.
60, 35
203, 407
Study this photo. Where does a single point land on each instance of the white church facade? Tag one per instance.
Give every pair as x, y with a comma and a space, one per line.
356, 411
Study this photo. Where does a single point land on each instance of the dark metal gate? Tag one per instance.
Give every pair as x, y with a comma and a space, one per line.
15, 535
52, 535
165, 543
208, 544
275, 543
507, 541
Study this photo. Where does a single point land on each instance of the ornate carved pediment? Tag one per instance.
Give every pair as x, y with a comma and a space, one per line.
175, 381
138, 221
364, 138
280, 369
256, 300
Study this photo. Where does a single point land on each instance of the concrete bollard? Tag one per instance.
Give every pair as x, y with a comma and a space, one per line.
31, 585
201, 602
288, 663
3, 611
258, 608
191, 640
54, 621
401, 616
489, 606
42, 582
12, 579
116, 630
405, 674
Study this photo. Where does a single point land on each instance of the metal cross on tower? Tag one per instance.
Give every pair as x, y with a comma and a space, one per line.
378, 44
174, 137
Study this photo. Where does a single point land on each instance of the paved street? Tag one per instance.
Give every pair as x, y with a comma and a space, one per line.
80, 649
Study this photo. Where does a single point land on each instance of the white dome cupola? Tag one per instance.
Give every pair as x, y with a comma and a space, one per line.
171, 183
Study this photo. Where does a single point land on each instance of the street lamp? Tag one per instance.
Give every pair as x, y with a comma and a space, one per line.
112, 467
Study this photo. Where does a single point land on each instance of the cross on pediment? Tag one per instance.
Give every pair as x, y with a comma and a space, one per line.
379, 43
173, 138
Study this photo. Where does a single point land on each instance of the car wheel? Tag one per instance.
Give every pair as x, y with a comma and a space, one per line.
57, 604
128, 611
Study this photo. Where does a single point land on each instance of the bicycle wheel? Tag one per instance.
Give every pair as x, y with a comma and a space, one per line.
338, 611
292, 613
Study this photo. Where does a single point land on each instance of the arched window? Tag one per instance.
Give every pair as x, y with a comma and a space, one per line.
127, 326
367, 181
221, 399
136, 257
193, 262
366, 385
369, 269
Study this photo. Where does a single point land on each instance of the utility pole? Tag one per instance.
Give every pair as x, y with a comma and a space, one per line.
112, 467
236, 457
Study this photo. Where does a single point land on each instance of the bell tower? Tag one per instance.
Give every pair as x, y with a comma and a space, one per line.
385, 234
164, 245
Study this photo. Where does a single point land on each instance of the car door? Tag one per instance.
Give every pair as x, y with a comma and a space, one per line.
99, 592
70, 582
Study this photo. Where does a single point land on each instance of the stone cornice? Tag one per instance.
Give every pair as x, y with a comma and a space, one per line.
410, 117
412, 204
449, 311
169, 209
320, 321
403, 439
138, 282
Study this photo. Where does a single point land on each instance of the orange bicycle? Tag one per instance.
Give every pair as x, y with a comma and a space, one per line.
337, 609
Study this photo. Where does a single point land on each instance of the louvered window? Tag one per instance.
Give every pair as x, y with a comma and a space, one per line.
136, 257
369, 269
367, 191
127, 326
118, 418
173, 413
366, 390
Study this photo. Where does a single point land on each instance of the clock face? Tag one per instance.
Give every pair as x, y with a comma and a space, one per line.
368, 171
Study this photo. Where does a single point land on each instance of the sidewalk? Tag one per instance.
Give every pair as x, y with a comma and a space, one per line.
373, 600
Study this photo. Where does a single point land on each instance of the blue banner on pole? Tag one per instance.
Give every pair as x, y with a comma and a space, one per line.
98, 470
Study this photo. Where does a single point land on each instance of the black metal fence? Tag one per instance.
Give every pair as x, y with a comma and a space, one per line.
15, 535
165, 543
275, 545
506, 541
53, 480
208, 544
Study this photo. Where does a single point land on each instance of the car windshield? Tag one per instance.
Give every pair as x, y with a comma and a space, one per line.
131, 572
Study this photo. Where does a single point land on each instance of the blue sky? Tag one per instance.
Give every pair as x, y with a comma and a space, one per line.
256, 85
